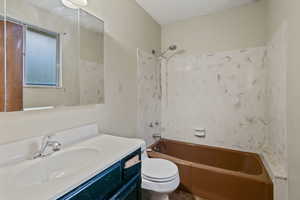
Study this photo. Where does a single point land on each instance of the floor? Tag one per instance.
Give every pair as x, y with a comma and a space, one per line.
181, 195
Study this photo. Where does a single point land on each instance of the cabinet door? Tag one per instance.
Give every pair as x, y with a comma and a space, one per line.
82, 196
109, 184
130, 191
100, 187
134, 194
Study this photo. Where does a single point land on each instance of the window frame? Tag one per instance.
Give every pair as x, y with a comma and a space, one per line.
58, 37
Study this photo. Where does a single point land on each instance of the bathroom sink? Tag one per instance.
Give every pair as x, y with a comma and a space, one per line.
57, 166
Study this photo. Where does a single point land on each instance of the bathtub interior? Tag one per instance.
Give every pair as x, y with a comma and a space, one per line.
248, 163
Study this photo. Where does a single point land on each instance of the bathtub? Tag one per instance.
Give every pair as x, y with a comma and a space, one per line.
216, 173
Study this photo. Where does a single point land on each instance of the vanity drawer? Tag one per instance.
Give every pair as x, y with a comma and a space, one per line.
129, 172
100, 187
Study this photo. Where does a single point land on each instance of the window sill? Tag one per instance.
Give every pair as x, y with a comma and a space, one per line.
39, 108
42, 87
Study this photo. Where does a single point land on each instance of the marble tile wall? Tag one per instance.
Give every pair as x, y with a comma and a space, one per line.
275, 151
276, 64
237, 96
224, 92
149, 96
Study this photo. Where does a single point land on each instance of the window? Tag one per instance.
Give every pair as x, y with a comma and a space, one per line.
42, 58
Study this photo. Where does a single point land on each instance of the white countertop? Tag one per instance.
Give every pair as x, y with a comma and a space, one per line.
111, 150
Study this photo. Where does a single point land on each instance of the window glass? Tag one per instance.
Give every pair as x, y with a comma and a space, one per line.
41, 58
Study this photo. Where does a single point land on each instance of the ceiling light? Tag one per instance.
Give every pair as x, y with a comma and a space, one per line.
74, 4
79, 2
68, 4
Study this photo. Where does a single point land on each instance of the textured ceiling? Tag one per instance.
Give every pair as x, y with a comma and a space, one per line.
169, 11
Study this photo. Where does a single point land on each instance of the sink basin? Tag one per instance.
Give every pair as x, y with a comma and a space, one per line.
57, 166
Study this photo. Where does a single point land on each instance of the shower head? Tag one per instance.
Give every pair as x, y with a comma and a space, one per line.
170, 48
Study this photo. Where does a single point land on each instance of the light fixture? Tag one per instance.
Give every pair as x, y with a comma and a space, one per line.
74, 4
79, 2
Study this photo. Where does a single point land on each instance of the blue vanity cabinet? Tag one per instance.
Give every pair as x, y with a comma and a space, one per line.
130, 191
115, 183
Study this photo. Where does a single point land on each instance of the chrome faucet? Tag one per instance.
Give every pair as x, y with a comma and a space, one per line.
47, 142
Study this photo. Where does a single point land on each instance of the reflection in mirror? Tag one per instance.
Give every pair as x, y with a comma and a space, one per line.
2, 71
54, 56
91, 59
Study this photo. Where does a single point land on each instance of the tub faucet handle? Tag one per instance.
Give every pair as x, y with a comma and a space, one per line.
151, 125
157, 136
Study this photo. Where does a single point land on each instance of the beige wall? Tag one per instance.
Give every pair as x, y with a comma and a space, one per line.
279, 12
235, 28
128, 27
91, 65
91, 45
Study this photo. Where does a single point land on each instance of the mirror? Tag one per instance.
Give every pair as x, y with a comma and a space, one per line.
53, 56
91, 68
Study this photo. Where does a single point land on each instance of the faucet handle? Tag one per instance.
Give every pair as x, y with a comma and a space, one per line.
47, 142
46, 138
157, 136
56, 146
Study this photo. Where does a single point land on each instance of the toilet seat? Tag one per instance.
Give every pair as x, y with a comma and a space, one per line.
159, 180
159, 170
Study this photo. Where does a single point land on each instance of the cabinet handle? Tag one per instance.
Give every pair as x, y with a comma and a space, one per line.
132, 162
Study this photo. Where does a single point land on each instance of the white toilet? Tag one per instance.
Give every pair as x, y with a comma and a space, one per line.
159, 177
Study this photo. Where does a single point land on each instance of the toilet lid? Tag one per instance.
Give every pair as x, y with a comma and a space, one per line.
159, 169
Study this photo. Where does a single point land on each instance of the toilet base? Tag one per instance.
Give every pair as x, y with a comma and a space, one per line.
150, 195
